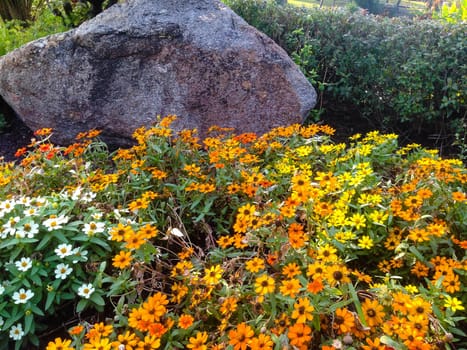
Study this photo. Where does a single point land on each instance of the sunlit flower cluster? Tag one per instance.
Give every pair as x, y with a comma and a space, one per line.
280, 241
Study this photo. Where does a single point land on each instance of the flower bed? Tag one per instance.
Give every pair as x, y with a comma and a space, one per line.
281, 241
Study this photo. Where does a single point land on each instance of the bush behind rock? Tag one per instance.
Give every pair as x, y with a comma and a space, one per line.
403, 75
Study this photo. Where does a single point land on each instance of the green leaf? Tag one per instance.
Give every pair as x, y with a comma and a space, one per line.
97, 299
44, 242
36, 279
15, 316
50, 299
417, 254
9, 243
28, 320
340, 304
81, 305
357, 304
390, 342
37, 310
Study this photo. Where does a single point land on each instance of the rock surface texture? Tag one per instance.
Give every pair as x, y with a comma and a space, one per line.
142, 58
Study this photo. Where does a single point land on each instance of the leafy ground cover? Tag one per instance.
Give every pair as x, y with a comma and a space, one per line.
282, 241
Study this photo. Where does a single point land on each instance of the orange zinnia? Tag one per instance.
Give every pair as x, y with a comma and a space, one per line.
240, 337
299, 335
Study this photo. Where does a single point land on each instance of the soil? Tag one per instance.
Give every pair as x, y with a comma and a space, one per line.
13, 136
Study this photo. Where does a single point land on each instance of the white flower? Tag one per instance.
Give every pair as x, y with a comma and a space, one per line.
2, 289
10, 227
76, 194
22, 296
62, 271
26, 201
82, 255
64, 250
97, 215
88, 197
16, 332
93, 227
29, 230
24, 264
6, 207
86, 290
32, 211
55, 223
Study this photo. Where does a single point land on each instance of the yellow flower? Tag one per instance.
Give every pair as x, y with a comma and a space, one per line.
59, 344
453, 303
264, 284
302, 311
357, 220
213, 274
365, 242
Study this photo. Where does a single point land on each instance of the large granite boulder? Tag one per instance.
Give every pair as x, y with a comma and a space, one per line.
193, 58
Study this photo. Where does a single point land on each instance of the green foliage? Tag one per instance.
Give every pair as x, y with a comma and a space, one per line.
403, 75
15, 33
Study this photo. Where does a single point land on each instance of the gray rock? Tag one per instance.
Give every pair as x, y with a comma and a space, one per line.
193, 58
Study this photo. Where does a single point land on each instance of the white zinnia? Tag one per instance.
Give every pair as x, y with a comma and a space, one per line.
23, 264
10, 227
62, 271
55, 223
64, 250
22, 296
86, 290
93, 227
29, 230
16, 332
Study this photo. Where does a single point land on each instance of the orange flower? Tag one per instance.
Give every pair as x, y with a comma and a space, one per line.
420, 270
157, 329
373, 345
373, 312
254, 265
120, 232
134, 241
128, 340
76, 330
225, 241
198, 342
122, 259
290, 287
240, 337
229, 305
291, 270
299, 335
261, 342
344, 321
315, 286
